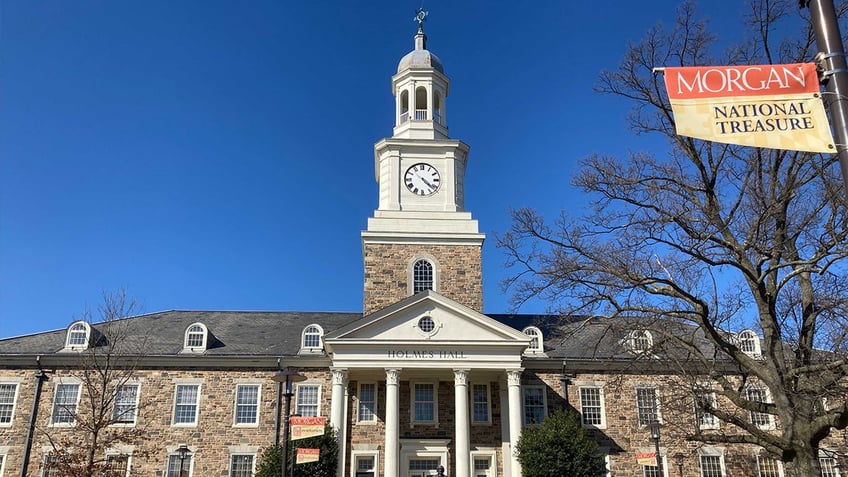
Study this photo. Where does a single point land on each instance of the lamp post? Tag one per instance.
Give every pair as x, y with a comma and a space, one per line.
287, 378
655, 435
678, 458
182, 451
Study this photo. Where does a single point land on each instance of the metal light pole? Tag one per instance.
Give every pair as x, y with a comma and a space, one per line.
287, 378
655, 435
182, 451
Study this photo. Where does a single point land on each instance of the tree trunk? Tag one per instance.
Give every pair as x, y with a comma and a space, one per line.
805, 464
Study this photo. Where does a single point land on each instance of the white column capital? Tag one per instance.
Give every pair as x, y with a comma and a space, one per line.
339, 376
460, 377
513, 376
392, 376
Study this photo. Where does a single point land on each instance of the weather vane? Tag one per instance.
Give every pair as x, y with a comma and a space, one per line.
419, 17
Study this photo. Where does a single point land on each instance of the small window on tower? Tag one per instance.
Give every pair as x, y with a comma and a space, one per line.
422, 276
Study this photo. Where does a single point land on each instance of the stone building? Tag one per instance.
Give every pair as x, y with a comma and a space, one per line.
421, 378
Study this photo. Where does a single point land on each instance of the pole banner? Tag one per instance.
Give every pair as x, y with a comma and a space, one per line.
646, 458
307, 455
774, 106
303, 427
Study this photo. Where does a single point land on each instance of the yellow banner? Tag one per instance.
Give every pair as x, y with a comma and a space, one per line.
303, 427
773, 106
307, 455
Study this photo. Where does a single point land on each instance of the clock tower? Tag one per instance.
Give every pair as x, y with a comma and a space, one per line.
420, 236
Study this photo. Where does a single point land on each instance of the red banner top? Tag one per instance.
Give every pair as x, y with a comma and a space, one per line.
693, 82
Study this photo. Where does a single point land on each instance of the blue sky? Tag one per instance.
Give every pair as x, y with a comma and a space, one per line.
219, 155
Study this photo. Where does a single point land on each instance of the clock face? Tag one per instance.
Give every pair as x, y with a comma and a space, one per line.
422, 179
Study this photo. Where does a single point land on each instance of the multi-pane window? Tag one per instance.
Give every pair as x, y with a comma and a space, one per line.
711, 466
185, 403
77, 336
647, 405
247, 404
117, 464
651, 471
195, 336
592, 406
829, 467
535, 335
423, 402
640, 341
49, 466
422, 276
704, 401
8, 392
749, 343
366, 466
241, 465
308, 398
126, 404
479, 403
759, 419
65, 403
179, 466
312, 337
367, 402
534, 404
482, 467
768, 467
423, 467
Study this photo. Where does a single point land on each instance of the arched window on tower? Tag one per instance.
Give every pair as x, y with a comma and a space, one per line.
422, 276
438, 113
420, 103
404, 106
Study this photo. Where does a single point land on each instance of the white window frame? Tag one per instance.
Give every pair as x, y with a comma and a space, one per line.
524, 389
304, 385
174, 454
191, 333
484, 454
601, 405
413, 402
312, 331
355, 456
829, 464
711, 452
410, 272
196, 404
115, 403
360, 402
766, 396
777, 462
255, 405
635, 339
751, 340
664, 461
112, 454
14, 404
537, 343
61, 382
45, 460
74, 331
711, 422
4, 457
473, 403
657, 410
240, 454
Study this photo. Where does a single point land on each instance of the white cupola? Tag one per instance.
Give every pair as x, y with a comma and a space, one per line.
420, 88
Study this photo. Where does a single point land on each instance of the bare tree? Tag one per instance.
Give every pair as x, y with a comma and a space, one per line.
107, 418
711, 238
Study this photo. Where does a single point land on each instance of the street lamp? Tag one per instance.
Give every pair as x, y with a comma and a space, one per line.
655, 435
678, 458
182, 451
286, 378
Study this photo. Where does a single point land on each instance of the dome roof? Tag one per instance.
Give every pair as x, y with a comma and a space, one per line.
420, 57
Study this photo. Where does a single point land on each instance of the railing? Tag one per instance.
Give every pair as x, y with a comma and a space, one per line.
437, 117
404, 117
420, 114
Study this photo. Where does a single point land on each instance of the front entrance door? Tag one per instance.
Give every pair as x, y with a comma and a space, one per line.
423, 467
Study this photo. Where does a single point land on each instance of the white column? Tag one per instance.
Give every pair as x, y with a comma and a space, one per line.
513, 378
392, 422
463, 446
337, 408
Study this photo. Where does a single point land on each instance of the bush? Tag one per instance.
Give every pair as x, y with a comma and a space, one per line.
559, 447
271, 457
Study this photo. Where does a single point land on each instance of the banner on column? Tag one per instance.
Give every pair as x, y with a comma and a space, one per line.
307, 455
303, 427
773, 106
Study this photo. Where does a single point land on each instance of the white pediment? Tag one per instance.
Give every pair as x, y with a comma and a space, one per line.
427, 329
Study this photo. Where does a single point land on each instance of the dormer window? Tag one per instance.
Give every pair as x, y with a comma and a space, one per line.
535, 335
749, 343
640, 341
79, 334
312, 338
196, 338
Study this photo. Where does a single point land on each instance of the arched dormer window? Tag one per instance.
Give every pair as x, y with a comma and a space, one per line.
640, 341
420, 103
536, 341
311, 339
196, 338
404, 106
749, 343
79, 336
